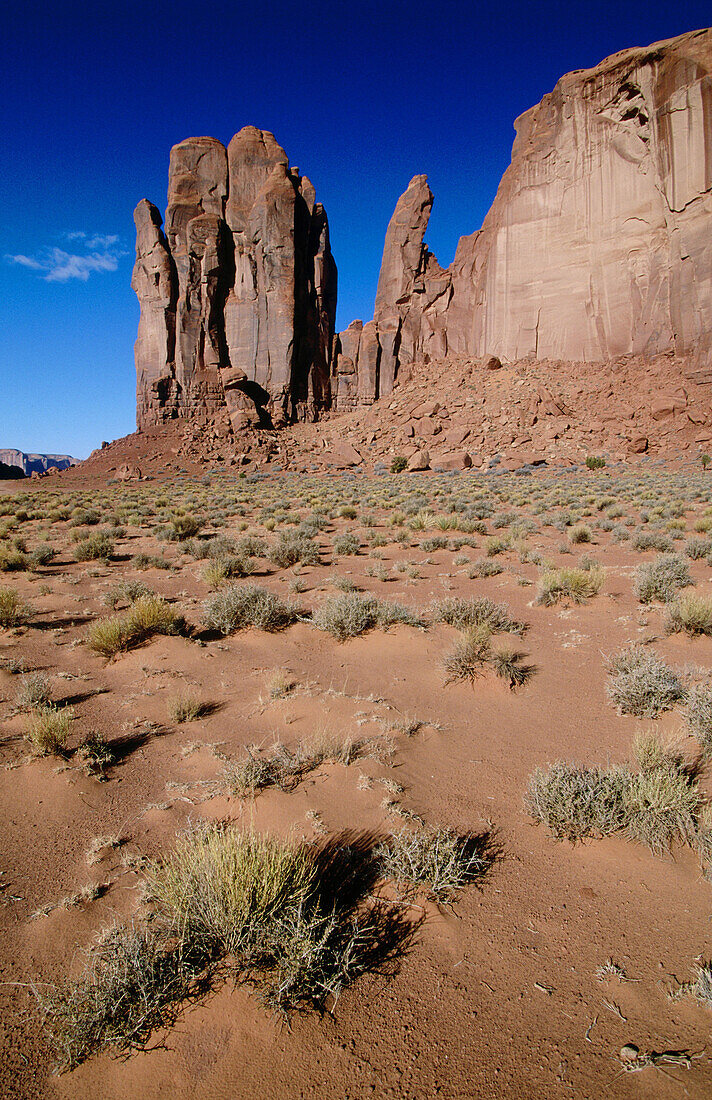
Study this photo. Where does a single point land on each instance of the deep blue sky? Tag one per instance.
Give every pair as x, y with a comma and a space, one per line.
362, 95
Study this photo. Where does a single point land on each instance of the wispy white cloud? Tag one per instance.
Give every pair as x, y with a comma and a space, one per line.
93, 252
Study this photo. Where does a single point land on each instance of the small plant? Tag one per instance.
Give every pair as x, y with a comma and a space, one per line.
97, 547
470, 654
48, 729
147, 616
351, 613
186, 708
698, 715
477, 611
240, 606
580, 533
691, 613
346, 544
705, 461
34, 691
569, 583
595, 462
293, 547
436, 858
640, 683
13, 612
653, 806
184, 527
660, 579
398, 464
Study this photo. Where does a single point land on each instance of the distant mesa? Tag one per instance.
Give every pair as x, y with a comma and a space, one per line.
15, 464
598, 245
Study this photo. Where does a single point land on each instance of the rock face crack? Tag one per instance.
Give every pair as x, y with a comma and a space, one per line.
238, 296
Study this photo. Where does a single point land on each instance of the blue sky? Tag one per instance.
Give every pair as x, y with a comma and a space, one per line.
362, 96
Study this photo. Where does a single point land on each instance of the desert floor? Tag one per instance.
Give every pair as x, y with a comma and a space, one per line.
492, 989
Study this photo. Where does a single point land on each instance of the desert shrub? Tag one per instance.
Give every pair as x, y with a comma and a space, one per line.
575, 802
97, 547
219, 570
132, 977
654, 806
351, 613
183, 527
13, 560
346, 544
495, 546
698, 547
698, 715
13, 612
125, 592
149, 561
436, 858
483, 567
292, 547
477, 611
569, 583
640, 683
435, 542
507, 664
284, 767
653, 540
240, 606
148, 615
41, 555
186, 708
661, 578
580, 533
470, 655
48, 729
595, 462
691, 613
34, 690
398, 464
347, 511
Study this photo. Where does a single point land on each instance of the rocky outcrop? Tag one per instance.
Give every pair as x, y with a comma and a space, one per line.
238, 296
411, 302
598, 243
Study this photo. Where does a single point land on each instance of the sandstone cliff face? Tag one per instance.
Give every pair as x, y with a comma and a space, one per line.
598, 243
238, 297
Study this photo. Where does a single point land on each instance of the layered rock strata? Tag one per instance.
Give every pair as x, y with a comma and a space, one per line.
238, 295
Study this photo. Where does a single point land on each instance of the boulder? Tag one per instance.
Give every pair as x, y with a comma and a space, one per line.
419, 461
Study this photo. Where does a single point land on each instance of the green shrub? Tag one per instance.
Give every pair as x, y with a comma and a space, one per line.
691, 613
13, 612
48, 729
398, 464
98, 547
147, 616
595, 462
570, 583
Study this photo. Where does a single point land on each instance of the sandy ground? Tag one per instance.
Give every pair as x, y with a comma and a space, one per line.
497, 994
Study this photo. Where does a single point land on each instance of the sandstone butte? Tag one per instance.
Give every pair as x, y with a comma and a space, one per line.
598, 245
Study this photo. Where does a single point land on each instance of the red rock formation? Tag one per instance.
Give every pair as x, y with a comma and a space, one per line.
238, 298
598, 243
